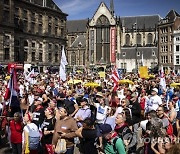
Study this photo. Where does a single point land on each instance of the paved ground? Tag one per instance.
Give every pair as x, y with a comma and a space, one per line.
4, 147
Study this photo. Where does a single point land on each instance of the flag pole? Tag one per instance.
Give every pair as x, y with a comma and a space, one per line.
11, 86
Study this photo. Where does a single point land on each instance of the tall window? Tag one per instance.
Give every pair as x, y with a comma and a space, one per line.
6, 54
33, 57
149, 38
177, 48
40, 45
50, 46
6, 2
26, 43
103, 40
25, 56
25, 26
6, 16
32, 27
25, 14
16, 54
56, 57
177, 60
50, 57
56, 30
40, 57
49, 28
139, 39
33, 44
127, 39
40, 28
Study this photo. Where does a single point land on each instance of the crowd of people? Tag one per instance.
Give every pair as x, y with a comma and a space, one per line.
50, 115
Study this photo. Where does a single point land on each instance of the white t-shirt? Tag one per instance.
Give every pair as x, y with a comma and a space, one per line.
101, 113
118, 110
31, 126
21, 90
31, 99
1, 106
154, 102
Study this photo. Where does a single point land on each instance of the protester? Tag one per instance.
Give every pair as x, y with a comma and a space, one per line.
83, 113
88, 137
30, 129
137, 111
65, 127
113, 144
16, 128
48, 130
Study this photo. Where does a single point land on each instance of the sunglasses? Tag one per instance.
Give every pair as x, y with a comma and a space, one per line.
158, 110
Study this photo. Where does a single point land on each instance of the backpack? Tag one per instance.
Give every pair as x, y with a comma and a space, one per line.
114, 144
34, 138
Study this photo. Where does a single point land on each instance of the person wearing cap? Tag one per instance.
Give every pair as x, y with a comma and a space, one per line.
102, 109
38, 112
83, 113
154, 102
88, 136
70, 104
112, 143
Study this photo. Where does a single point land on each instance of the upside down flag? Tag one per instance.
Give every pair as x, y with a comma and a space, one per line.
11, 90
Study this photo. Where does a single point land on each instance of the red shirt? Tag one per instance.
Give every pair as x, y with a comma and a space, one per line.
142, 102
16, 131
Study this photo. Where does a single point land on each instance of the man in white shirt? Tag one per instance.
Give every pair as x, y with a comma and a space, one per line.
154, 102
102, 109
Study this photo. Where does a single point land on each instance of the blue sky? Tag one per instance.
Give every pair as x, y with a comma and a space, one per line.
82, 9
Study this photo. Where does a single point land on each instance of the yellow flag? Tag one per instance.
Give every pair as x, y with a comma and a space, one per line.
143, 72
27, 144
101, 74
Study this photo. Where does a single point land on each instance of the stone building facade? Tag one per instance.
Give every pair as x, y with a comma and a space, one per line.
176, 43
166, 29
111, 40
31, 31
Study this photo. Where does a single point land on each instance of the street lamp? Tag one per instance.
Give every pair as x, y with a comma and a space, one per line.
136, 67
79, 46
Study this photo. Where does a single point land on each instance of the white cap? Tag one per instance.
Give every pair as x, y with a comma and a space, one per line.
155, 89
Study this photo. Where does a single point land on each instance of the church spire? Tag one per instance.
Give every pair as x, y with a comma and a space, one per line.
112, 7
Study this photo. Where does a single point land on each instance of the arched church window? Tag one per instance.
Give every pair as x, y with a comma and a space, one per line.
127, 40
138, 38
102, 20
26, 43
149, 38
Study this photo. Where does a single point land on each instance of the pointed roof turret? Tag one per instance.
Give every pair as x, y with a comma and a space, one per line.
112, 7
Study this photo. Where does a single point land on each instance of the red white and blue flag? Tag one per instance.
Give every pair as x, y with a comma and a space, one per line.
12, 89
115, 78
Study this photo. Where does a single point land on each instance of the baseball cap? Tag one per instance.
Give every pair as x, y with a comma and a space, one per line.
155, 89
83, 100
99, 94
104, 129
